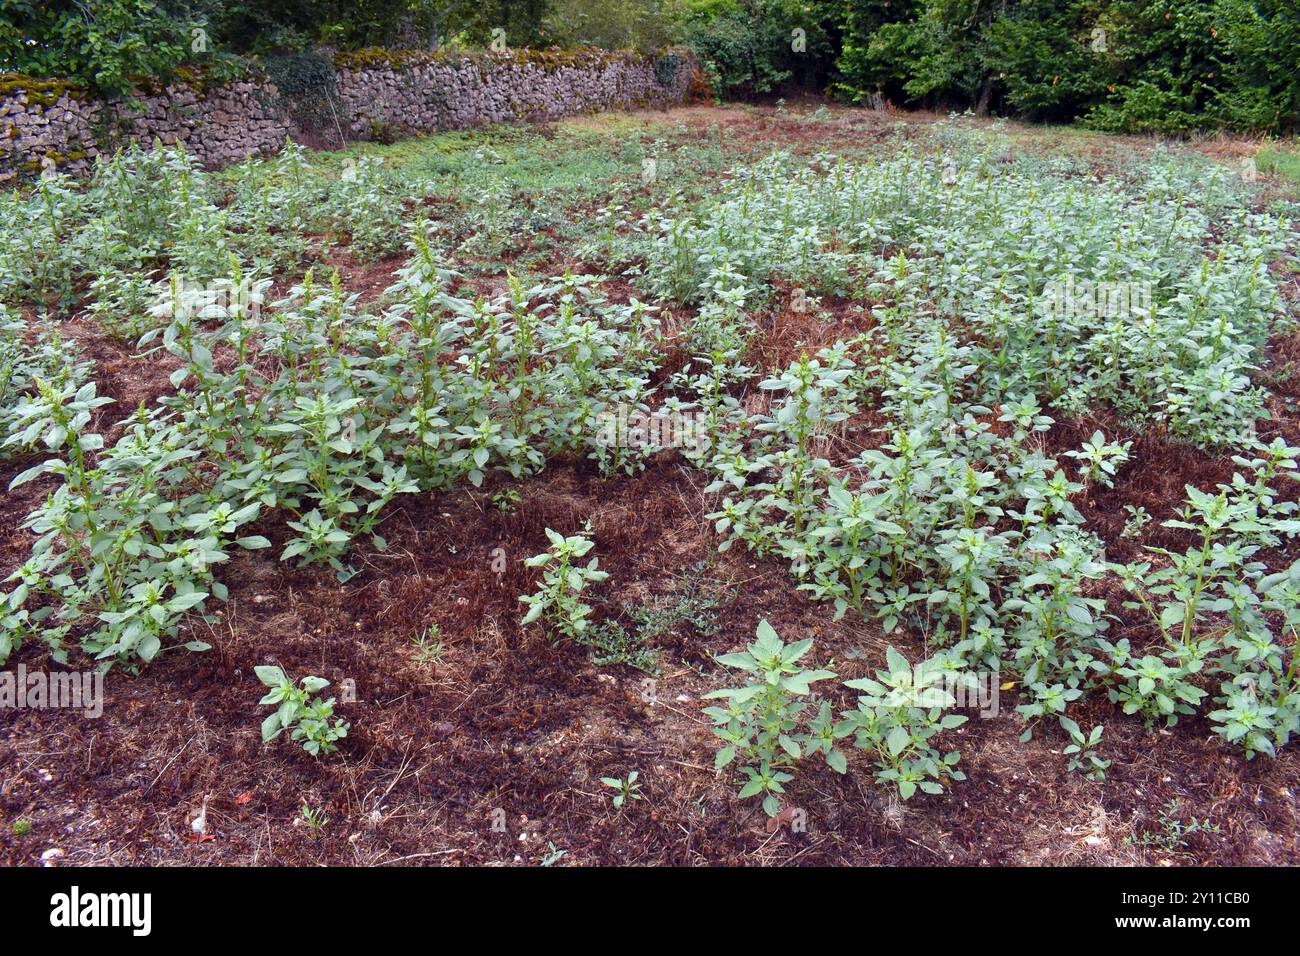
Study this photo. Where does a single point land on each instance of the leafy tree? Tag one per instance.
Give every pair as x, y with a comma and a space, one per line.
758, 46
878, 43
644, 25
104, 43
1195, 64
1128, 65
1047, 60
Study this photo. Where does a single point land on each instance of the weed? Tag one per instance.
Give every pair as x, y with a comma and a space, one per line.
610, 643
763, 725
558, 597
306, 717
1173, 833
553, 855
315, 819
1082, 750
428, 646
624, 788
506, 501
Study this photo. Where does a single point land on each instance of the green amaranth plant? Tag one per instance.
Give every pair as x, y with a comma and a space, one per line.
897, 717
763, 725
300, 711
1082, 750
624, 789
126, 547
558, 597
319, 420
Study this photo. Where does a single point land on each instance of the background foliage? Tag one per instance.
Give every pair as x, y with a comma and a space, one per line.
1173, 66
1133, 65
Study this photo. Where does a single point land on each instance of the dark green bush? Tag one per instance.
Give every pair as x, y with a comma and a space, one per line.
111, 45
101, 43
1171, 66
751, 47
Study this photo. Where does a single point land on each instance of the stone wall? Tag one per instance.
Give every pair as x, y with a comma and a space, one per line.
54, 124
428, 91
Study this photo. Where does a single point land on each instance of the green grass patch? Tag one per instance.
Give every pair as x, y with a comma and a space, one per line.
1282, 161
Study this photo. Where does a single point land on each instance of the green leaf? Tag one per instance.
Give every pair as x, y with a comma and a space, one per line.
897, 740
270, 675
148, 647
271, 727
766, 635
741, 660
1172, 616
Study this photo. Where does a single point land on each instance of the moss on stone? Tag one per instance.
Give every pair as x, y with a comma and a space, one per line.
45, 92
550, 60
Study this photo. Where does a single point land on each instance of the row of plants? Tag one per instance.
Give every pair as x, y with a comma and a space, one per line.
957, 525
108, 246
306, 420
960, 529
1149, 292
146, 214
